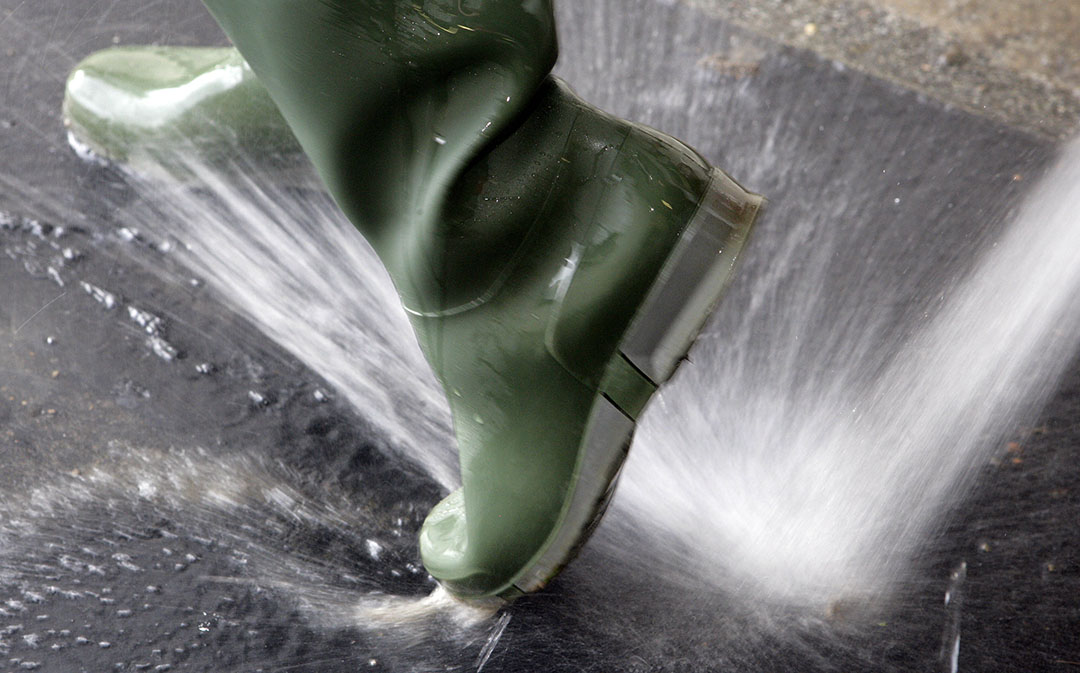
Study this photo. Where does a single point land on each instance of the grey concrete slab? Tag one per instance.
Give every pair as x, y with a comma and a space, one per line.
250, 549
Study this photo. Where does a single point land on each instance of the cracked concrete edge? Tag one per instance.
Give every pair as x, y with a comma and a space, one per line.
885, 43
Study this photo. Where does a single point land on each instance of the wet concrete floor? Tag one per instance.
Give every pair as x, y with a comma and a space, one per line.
104, 569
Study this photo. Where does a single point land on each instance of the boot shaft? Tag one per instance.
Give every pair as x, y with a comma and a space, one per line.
392, 98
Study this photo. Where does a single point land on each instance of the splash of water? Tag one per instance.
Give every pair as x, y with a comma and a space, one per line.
822, 475
282, 255
812, 478
235, 508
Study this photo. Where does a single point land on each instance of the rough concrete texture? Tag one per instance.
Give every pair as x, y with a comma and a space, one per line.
1015, 61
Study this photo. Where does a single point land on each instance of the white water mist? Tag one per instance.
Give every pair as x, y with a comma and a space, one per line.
797, 471
286, 259
812, 491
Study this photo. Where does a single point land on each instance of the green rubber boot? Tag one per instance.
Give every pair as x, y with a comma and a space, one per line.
556, 262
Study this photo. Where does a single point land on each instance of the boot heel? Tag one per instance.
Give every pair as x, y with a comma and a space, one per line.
692, 280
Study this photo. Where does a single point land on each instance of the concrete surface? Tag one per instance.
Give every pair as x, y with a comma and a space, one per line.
1015, 61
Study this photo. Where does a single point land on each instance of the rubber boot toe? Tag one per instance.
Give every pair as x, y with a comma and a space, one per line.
164, 106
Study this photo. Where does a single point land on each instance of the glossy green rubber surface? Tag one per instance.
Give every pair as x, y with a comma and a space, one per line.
391, 99
530, 236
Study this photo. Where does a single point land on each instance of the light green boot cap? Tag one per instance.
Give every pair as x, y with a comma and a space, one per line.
138, 105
